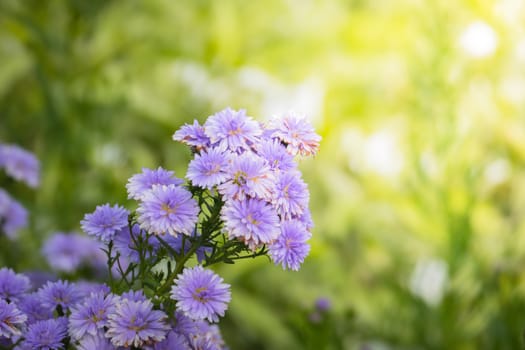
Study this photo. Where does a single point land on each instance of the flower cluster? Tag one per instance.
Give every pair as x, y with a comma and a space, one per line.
243, 197
20, 165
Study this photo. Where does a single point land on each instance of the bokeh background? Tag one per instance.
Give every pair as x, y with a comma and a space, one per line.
418, 193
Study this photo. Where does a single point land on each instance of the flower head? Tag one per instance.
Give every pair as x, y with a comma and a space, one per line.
135, 323
192, 135
124, 243
12, 285
201, 294
173, 341
105, 221
59, 294
20, 164
232, 130
31, 305
67, 252
168, 209
253, 220
291, 247
46, 335
249, 175
11, 319
297, 133
291, 195
208, 168
90, 316
138, 184
275, 153
13, 216
95, 342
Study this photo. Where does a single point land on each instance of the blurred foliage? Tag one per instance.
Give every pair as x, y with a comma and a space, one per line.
417, 194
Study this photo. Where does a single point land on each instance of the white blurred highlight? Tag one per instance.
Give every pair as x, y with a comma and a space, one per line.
479, 40
429, 279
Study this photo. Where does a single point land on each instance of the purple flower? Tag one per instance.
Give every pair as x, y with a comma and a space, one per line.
232, 130
192, 135
13, 216
291, 195
176, 244
123, 242
276, 155
134, 295
290, 249
201, 294
11, 319
207, 338
138, 184
297, 133
168, 209
67, 252
105, 221
91, 316
208, 169
173, 341
253, 220
31, 305
20, 164
96, 342
46, 335
249, 176
306, 219
323, 304
86, 288
59, 294
134, 323
13, 285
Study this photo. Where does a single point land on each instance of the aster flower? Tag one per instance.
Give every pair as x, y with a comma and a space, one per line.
305, 218
60, 294
135, 323
105, 221
232, 130
134, 295
249, 176
291, 195
20, 164
86, 288
253, 220
201, 294
275, 153
96, 342
208, 338
297, 133
138, 184
176, 242
90, 316
173, 341
192, 135
291, 247
46, 335
31, 306
13, 216
124, 245
13, 285
168, 209
208, 168
11, 319
67, 252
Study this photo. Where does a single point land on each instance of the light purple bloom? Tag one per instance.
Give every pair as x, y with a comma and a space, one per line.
249, 176
31, 305
275, 153
323, 304
175, 242
135, 323
134, 295
254, 221
90, 316
208, 168
67, 252
11, 319
20, 164
297, 133
105, 221
168, 209
96, 342
59, 294
13, 216
291, 195
138, 184
201, 294
86, 288
291, 248
123, 242
46, 335
13, 285
232, 130
173, 341
192, 135
208, 338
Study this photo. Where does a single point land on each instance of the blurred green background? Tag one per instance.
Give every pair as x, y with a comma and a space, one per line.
418, 193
